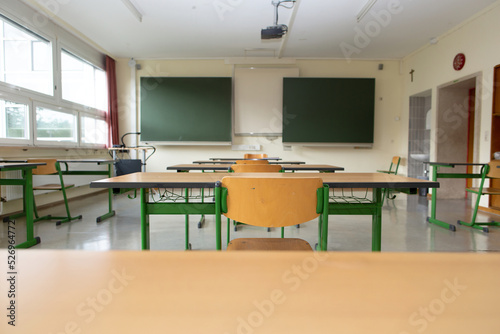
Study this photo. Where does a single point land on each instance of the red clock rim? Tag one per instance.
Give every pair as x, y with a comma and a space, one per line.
459, 61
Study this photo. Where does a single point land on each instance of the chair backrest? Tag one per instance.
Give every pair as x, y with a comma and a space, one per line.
252, 162
494, 169
394, 164
47, 169
272, 202
256, 168
255, 155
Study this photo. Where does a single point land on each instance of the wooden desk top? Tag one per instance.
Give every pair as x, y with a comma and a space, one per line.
217, 166
452, 164
96, 161
63, 291
207, 180
5, 165
234, 161
69, 160
312, 167
187, 167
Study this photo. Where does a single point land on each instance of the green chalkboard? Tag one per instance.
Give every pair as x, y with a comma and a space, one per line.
187, 109
328, 110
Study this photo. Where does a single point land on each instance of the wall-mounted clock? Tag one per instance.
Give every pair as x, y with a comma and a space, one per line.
459, 61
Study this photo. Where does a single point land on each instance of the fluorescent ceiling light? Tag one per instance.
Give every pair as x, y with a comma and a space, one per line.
132, 9
365, 10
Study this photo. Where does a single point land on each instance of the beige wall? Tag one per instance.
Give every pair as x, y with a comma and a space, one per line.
477, 38
388, 104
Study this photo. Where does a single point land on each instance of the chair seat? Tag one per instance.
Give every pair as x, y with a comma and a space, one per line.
52, 186
271, 244
486, 191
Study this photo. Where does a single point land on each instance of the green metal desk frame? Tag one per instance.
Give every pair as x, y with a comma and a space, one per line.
435, 175
27, 182
157, 208
108, 173
67, 171
145, 182
373, 208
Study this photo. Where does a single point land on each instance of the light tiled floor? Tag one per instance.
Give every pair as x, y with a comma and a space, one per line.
404, 229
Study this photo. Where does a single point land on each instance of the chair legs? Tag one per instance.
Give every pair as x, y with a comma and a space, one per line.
478, 225
60, 219
387, 193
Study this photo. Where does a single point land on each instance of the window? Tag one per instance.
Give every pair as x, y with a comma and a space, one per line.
53, 91
94, 130
14, 120
25, 58
56, 126
82, 82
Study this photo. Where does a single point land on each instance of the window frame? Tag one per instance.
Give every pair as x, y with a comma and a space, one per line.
33, 99
41, 142
70, 52
102, 117
36, 33
21, 100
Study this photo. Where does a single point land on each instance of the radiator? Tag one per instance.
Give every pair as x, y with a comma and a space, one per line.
10, 193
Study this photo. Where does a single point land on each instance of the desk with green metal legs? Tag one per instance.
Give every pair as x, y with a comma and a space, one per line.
68, 171
226, 167
27, 182
436, 166
107, 173
153, 180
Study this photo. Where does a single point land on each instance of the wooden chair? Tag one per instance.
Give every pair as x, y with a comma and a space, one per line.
272, 202
489, 171
256, 168
252, 162
393, 169
52, 167
255, 155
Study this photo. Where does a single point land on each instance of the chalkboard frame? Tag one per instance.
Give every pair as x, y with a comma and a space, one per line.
325, 111
186, 110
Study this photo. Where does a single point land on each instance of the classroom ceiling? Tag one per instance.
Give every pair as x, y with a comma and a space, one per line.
391, 29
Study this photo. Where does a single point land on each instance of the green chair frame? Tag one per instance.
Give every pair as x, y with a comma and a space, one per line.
393, 169
52, 167
489, 171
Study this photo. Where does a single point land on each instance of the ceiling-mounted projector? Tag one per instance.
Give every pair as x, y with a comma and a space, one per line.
276, 30
273, 31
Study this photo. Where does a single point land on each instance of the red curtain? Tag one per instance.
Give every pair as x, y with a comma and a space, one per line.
112, 115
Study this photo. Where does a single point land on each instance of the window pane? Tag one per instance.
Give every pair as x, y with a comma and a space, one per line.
53, 125
41, 60
94, 131
14, 120
27, 59
83, 83
101, 85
